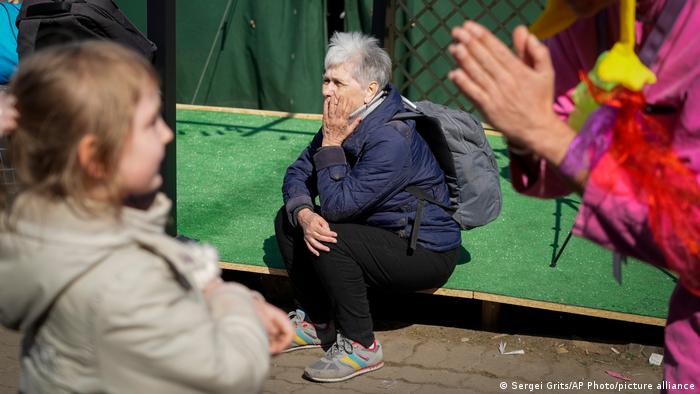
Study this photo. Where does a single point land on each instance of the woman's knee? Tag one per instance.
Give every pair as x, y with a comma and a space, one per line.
337, 262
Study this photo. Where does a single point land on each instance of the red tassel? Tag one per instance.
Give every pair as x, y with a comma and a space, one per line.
641, 154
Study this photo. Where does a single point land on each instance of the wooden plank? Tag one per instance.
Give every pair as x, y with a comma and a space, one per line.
252, 268
551, 306
579, 310
449, 292
488, 129
249, 111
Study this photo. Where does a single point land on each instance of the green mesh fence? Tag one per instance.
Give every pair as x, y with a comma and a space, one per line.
418, 33
268, 54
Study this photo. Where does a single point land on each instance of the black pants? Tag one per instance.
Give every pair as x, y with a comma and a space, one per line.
334, 285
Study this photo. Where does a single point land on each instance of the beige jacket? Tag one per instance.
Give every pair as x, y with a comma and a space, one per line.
118, 306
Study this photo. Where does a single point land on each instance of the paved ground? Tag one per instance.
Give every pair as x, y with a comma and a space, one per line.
9, 364
432, 359
429, 359
431, 349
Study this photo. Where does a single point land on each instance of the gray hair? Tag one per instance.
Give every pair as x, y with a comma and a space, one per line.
370, 62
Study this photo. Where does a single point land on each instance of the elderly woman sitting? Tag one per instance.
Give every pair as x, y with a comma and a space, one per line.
359, 165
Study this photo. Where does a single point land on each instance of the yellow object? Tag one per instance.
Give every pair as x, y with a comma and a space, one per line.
584, 105
556, 17
621, 65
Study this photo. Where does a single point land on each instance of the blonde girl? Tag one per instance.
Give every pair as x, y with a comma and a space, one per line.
107, 301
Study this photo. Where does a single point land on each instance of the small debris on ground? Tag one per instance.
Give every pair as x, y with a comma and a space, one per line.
387, 384
618, 375
656, 359
502, 349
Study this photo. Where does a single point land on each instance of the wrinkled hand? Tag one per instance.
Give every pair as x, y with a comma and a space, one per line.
8, 114
316, 230
336, 127
279, 328
514, 92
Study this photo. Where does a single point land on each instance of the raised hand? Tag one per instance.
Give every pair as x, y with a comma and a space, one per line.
336, 125
514, 92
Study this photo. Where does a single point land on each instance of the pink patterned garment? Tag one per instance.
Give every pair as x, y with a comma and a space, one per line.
619, 221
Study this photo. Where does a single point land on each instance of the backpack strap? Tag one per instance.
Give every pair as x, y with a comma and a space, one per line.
407, 116
416, 223
662, 28
417, 192
421, 195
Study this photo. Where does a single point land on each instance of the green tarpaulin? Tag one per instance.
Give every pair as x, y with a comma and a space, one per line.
268, 54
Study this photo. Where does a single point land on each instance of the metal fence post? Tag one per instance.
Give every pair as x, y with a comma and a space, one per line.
161, 30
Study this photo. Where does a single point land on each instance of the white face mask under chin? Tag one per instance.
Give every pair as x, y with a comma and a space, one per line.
357, 112
365, 109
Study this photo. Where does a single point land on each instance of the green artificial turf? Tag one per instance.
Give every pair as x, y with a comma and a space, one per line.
229, 176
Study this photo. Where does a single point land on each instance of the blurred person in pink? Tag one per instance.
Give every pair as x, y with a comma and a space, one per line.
527, 95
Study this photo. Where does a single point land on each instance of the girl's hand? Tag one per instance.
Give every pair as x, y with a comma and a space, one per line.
8, 114
277, 325
279, 328
211, 286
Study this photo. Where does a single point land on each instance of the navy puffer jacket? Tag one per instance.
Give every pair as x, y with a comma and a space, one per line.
364, 181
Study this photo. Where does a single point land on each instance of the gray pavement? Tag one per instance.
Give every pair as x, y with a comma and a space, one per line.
435, 359
9, 361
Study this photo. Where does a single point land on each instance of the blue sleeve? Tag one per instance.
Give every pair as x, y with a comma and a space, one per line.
299, 186
8, 41
382, 169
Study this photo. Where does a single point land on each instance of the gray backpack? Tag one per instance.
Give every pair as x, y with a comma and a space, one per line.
460, 147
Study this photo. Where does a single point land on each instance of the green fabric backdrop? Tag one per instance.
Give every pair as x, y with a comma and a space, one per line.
268, 54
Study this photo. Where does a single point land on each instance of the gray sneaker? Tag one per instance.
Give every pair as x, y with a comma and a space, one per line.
306, 334
344, 360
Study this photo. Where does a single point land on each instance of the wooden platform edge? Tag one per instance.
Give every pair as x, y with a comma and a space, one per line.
488, 129
249, 111
579, 310
224, 265
477, 295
